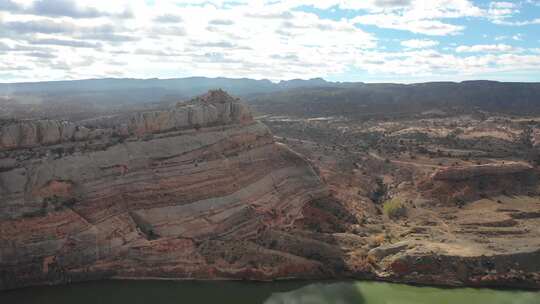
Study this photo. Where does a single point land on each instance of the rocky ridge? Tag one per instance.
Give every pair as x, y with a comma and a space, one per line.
185, 193
215, 108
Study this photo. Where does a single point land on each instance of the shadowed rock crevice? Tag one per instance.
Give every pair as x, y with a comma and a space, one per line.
145, 227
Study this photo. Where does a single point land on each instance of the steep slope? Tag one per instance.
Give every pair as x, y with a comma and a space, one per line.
199, 191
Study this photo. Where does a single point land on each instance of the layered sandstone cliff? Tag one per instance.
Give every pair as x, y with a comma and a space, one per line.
200, 191
215, 108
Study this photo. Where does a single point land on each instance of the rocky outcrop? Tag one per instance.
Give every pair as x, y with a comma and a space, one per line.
461, 184
212, 109
27, 134
467, 172
535, 137
185, 193
518, 270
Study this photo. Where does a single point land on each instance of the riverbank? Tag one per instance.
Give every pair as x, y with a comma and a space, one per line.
240, 292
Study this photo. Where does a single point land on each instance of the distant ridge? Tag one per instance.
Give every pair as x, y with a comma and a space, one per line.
187, 86
349, 96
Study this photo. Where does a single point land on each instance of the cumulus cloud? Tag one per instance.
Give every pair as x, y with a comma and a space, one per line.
419, 43
43, 26
42, 55
515, 37
485, 48
501, 10
64, 8
168, 18
105, 32
275, 39
419, 26
8, 5
60, 8
65, 42
424, 17
518, 23
221, 22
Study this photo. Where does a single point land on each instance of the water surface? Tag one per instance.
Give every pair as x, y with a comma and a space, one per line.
180, 292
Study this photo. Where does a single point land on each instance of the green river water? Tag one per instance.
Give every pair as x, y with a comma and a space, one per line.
180, 292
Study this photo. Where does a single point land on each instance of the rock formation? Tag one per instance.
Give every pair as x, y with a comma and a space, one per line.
461, 184
468, 172
215, 108
200, 191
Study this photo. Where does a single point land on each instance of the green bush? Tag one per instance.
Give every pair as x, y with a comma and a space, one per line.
394, 208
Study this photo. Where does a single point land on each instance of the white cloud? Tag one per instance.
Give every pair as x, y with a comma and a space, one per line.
501, 10
419, 26
516, 37
518, 23
485, 48
419, 43
253, 40
257, 39
424, 17
430, 64
500, 13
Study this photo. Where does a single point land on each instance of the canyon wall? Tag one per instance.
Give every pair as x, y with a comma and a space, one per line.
184, 193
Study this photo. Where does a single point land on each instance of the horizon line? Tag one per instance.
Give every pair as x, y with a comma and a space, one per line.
263, 79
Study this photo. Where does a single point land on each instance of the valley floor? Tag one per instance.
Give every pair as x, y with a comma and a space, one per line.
438, 200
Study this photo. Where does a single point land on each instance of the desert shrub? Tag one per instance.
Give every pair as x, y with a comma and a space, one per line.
378, 239
394, 208
372, 260
380, 191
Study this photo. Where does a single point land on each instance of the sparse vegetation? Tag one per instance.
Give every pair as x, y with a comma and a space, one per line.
378, 240
394, 208
379, 192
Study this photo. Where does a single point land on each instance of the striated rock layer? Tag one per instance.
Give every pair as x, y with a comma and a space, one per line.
200, 191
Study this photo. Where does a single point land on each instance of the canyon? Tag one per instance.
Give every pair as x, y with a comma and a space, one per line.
203, 190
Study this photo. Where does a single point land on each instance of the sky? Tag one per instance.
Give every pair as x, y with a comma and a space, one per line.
402, 41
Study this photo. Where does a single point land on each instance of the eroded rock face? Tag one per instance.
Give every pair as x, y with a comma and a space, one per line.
26, 134
193, 200
214, 108
535, 137
467, 172
461, 184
